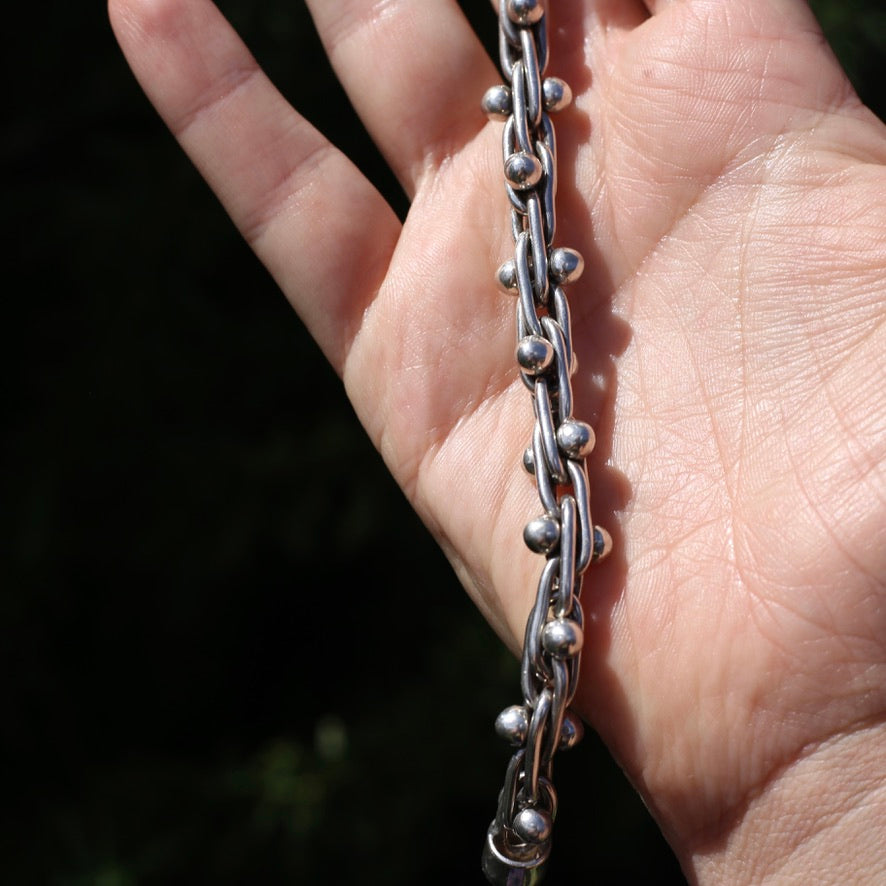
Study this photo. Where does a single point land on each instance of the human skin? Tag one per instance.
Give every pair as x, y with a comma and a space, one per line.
728, 192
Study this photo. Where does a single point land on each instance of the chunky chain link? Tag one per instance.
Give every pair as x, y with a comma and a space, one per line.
519, 839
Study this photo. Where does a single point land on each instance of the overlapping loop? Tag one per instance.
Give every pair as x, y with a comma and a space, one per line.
519, 837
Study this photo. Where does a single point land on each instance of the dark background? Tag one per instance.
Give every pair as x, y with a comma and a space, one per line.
199, 683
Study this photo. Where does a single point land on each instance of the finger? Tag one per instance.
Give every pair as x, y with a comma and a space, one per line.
321, 229
415, 72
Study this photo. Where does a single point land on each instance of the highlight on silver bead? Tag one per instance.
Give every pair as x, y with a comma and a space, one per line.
542, 534
556, 94
533, 825
529, 460
575, 438
571, 732
512, 724
523, 171
534, 354
565, 265
506, 275
602, 544
497, 102
525, 12
562, 638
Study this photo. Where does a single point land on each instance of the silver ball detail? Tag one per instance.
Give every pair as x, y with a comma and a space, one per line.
565, 265
571, 732
602, 544
542, 534
506, 275
533, 825
534, 354
525, 12
576, 438
512, 724
523, 171
529, 460
497, 102
556, 94
562, 638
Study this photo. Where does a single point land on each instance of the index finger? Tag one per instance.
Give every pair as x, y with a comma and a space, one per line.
321, 229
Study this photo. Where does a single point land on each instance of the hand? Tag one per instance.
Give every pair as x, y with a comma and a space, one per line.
728, 192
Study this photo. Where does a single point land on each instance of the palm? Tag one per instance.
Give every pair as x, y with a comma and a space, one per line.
720, 183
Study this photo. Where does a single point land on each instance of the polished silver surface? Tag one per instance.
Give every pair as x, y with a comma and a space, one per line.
534, 354
571, 732
497, 103
576, 438
556, 94
533, 825
503, 867
507, 275
523, 171
512, 724
524, 12
602, 544
519, 838
562, 638
567, 265
542, 534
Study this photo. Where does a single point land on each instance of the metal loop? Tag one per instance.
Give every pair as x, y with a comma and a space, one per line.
563, 599
540, 33
562, 314
525, 284
532, 761
563, 363
546, 491
548, 671
545, 418
559, 703
539, 247
507, 54
549, 191
532, 75
510, 29
578, 477
531, 670
520, 115
549, 136
507, 798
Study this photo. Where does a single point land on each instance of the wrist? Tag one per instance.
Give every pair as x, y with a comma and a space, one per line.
819, 820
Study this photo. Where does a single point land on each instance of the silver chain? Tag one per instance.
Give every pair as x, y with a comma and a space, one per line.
518, 842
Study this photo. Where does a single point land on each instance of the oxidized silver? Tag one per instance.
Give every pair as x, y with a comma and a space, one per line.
518, 841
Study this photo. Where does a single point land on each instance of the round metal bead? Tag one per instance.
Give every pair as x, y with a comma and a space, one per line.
533, 825
497, 102
534, 354
523, 171
542, 534
602, 544
556, 94
525, 12
576, 438
565, 265
562, 638
529, 460
512, 724
506, 275
571, 732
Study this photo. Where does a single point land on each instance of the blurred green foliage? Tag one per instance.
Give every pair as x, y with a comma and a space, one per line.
231, 652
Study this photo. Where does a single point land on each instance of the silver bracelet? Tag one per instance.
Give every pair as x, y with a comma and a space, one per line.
518, 842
